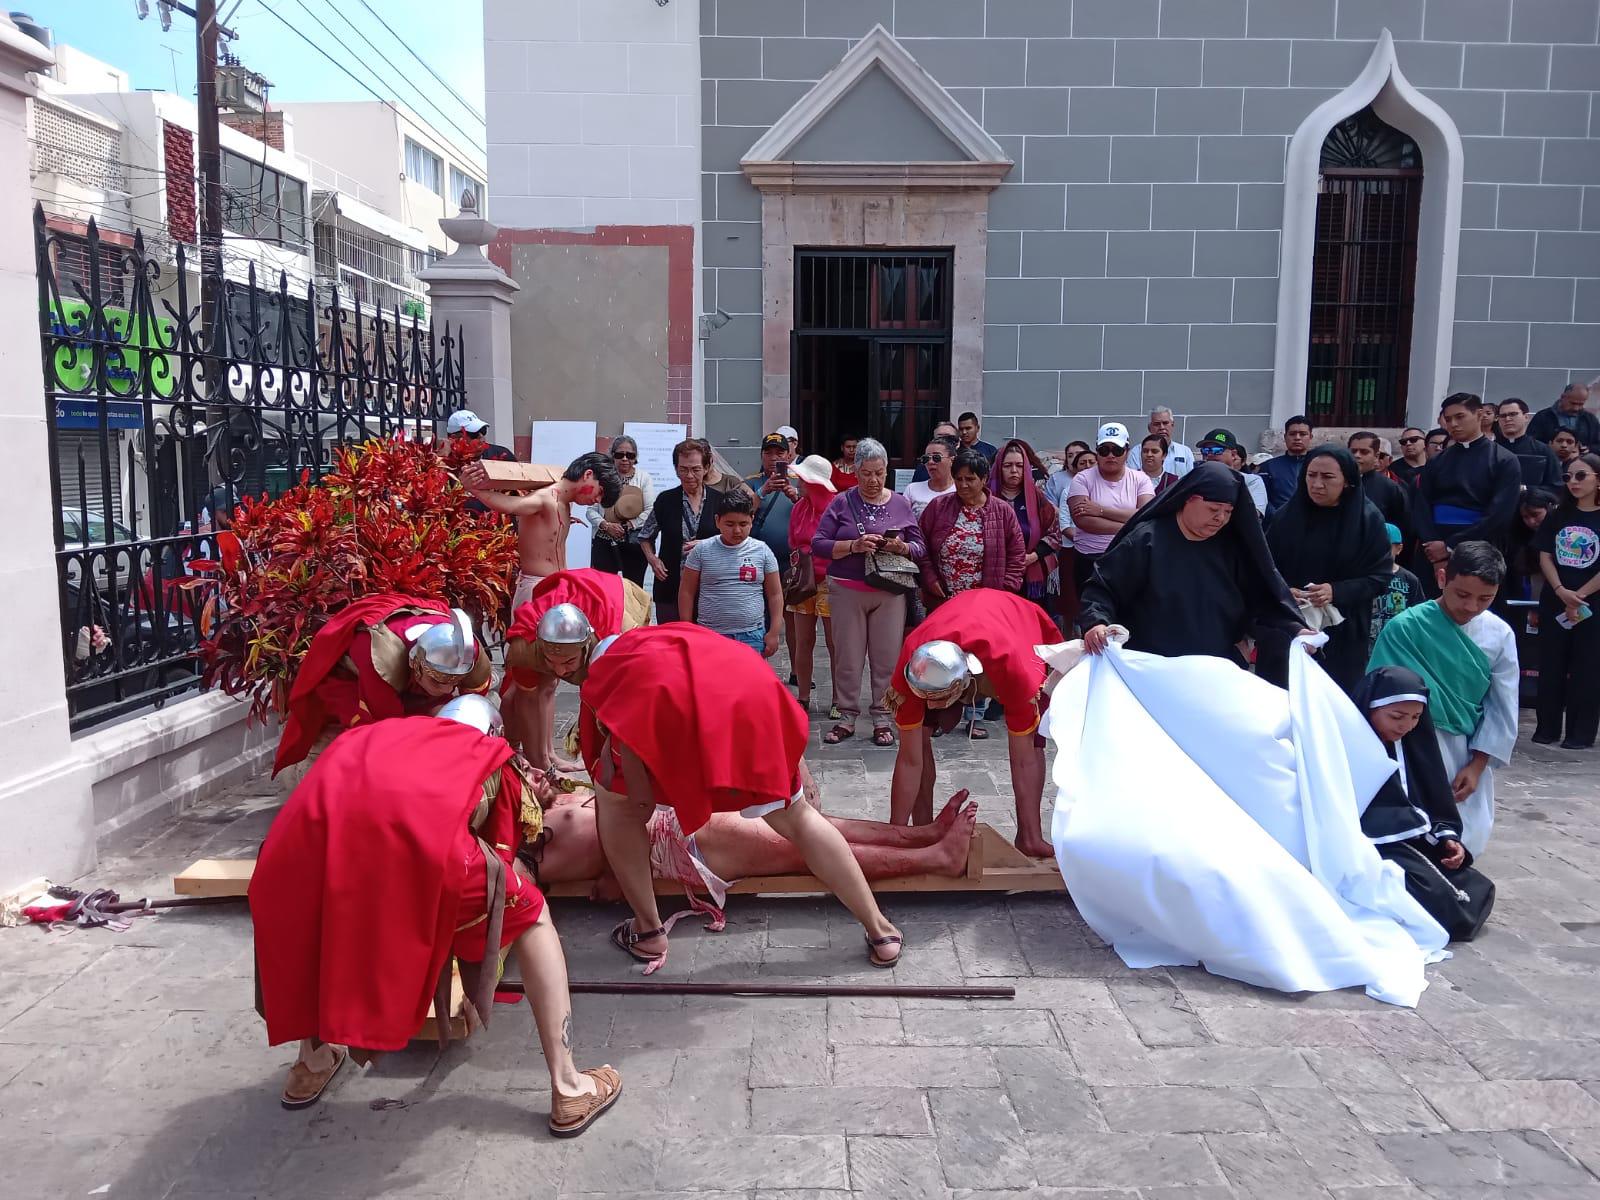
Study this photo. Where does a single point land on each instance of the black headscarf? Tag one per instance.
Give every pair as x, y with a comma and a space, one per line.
1427, 783
1311, 544
1218, 484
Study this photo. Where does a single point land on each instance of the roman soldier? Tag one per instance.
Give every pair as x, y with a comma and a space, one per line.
385, 655
396, 854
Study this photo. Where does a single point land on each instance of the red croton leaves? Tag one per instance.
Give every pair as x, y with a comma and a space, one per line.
390, 517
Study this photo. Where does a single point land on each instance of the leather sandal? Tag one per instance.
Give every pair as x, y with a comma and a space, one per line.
571, 1115
892, 939
624, 938
839, 733
305, 1086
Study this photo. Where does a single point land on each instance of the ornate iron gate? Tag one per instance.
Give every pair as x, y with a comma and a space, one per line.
162, 417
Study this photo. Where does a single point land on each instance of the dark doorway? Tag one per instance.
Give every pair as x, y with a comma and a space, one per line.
1364, 274
871, 349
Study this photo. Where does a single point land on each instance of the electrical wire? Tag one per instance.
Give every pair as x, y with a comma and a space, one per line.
341, 15
464, 102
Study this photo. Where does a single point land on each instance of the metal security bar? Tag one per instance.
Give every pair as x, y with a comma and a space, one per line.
161, 418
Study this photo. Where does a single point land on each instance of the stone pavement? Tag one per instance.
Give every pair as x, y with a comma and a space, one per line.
133, 1065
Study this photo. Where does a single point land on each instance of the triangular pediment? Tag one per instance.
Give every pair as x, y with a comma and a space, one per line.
878, 105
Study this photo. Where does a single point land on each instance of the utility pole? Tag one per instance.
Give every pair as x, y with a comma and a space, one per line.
210, 164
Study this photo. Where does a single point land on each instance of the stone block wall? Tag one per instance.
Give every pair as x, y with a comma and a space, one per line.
1133, 252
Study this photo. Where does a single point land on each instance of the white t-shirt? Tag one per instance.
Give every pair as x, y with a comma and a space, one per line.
1132, 490
921, 494
1180, 459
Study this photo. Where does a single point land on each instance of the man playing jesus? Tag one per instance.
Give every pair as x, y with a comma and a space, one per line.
545, 515
551, 639
397, 852
681, 716
384, 655
1468, 658
977, 643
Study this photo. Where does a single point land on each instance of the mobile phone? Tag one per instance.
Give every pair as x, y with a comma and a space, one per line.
782, 469
1584, 613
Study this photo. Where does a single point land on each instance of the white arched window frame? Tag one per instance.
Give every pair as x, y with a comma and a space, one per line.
1382, 85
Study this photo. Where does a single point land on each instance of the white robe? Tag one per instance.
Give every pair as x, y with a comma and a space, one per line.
1496, 734
1236, 842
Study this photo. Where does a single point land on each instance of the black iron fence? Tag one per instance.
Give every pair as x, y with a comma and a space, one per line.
172, 392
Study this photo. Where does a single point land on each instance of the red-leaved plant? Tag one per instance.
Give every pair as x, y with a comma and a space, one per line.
390, 517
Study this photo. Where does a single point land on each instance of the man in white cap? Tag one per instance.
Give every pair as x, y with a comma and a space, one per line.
793, 435
551, 638
1102, 500
977, 644
468, 434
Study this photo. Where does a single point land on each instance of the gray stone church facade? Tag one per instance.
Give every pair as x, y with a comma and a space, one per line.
1057, 212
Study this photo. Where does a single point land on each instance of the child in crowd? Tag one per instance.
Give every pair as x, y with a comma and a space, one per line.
731, 583
1404, 590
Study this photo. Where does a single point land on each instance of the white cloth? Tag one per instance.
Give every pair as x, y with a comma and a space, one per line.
1496, 734
921, 494
1245, 853
1180, 459
1257, 487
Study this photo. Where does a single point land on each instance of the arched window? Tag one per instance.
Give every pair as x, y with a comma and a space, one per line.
1364, 274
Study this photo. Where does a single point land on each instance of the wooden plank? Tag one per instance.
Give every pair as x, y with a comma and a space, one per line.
993, 865
519, 476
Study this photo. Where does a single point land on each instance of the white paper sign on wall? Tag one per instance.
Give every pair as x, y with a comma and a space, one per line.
557, 443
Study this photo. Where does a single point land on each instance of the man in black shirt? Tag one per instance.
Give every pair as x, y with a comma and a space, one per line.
1539, 465
1469, 493
1568, 413
1407, 469
1391, 499
469, 441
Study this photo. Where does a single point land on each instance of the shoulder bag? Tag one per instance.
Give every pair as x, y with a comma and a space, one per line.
885, 571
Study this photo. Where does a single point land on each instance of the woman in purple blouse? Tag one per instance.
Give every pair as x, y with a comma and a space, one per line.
866, 620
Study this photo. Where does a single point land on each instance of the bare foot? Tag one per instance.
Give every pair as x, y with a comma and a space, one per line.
947, 814
950, 852
1034, 849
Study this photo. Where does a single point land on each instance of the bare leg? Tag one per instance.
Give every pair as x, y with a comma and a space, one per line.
922, 812
1027, 785
543, 968
625, 837
735, 847
541, 751
828, 855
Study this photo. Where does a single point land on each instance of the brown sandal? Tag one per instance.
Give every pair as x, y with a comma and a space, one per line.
839, 733
305, 1086
892, 939
883, 736
571, 1115
624, 938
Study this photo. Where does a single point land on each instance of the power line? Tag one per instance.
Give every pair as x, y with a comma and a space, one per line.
335, 7
464, 102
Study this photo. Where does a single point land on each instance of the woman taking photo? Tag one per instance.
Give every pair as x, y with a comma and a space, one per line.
865, 520
1330, 546
1569, 635
616, 546
1011, 479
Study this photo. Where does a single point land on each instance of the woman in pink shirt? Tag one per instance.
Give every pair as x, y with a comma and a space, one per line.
1101, 500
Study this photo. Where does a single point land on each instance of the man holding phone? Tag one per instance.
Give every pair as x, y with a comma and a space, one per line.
775, 496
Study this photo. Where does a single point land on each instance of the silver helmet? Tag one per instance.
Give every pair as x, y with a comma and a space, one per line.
602, 647
939, 667
564, 625
448, 649
476, 711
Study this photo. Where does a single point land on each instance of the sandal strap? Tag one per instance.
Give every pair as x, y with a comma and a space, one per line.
890, 939
633, 937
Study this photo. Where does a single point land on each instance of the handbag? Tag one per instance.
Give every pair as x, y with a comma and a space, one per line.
800, 580
885, 571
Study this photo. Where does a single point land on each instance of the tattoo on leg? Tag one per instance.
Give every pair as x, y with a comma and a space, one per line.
566, 1031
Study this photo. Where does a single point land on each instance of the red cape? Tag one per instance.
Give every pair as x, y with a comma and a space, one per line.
307, 713
997, 628
705, 715
357, 887
597, 593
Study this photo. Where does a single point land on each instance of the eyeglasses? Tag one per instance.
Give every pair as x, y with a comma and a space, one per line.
1410, 441
1571, 475
1209, 451
930, 458
1110, 451
626, 455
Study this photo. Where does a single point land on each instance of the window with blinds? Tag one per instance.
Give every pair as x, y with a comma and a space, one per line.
1364, 272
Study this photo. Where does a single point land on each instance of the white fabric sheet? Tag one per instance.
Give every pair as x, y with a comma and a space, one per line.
1236, 844
1496, 734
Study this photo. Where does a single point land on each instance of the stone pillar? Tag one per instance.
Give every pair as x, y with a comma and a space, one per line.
46, 807
473, 296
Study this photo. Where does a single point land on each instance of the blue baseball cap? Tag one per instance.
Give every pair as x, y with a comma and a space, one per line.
1394, 534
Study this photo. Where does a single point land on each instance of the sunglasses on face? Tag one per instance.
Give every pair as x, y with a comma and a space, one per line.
626, 455
930, 458
1210, 451
1572, 475
1411, 441
1109, 451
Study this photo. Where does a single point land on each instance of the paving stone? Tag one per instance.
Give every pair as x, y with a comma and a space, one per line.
1350, 1070
981, 1143
1328, 1136
914, 1066
1263, 1165
865, 1022
792, 1050
1396, 1112
1514, 1104
1123, 1160
1282, 1027
1105, 1047
1161, 1015
750, 1162
1045, 1093
709, 1093
1503, 1159
886, 1111
1247, 1066
979, 1027
896, 1168
1182, 1110
1535, 1059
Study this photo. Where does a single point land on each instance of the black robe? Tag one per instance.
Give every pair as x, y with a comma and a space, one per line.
1344, 546
1540, 466
1178, 596
1415, 813
1407, 475
1393, 500
1481, 477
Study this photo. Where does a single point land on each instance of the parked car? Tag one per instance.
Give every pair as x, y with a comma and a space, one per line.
86, 530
